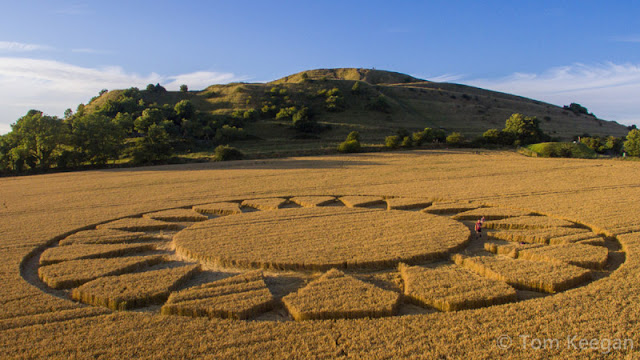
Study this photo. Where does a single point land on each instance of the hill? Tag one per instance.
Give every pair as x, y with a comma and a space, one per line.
407, 103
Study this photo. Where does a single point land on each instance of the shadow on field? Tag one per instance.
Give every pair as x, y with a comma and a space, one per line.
268, 164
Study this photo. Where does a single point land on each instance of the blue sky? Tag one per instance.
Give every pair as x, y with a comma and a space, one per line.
57, 54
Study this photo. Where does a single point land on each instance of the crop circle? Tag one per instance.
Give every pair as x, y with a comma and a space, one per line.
321, 238
322, 257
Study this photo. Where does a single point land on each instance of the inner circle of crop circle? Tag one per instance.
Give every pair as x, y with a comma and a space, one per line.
321, 238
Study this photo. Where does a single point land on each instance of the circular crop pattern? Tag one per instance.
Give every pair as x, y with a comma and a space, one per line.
323, 257
321, 238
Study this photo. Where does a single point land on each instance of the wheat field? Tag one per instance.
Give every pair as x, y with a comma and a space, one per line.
42, 212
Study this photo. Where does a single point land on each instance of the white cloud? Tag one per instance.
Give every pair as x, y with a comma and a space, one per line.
12, 46
201, 79
91, 51
608, 90
52, 86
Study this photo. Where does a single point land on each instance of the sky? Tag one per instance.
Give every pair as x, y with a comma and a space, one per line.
55, 55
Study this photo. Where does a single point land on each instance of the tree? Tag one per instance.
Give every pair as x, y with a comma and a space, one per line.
184, 88
97, 137
155, 146
304, 122
149, 117
525, 129
392, 141
455, 138
68, 113
632, 145
492, 136
35, 138
577, 108
421, 137
185, 109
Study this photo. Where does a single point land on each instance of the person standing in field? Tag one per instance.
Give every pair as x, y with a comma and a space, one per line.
479, 228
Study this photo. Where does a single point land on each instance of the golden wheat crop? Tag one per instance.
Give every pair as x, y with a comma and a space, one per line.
601, 194
336, 295
510, 250
313, 201
401, 203
527, 222
450, 207
106, 236
569, 239
237, 297
526, 274
129, 291
490, 214
176, 215
265, 204
538, 236
596, 241
593, 257
88, 251
139, 224
221, 208
77, 272
450, 288
361, 201
321, 238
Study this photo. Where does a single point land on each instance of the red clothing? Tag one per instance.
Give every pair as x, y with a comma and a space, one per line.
478, 226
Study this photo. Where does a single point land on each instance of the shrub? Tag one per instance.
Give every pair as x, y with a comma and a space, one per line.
349, 146
356, 88
406, 142
303, 121
421, 137
354, 135
392, 142
632, 145
286, 113
226, 152
492, 136
251, 115
455, 138
577, 108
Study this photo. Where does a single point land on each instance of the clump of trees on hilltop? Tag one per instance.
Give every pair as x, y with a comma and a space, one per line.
122, 126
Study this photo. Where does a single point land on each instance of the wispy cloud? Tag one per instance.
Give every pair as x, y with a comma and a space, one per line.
53, 86
608, 90
91, 51
13, 46
201, 79
444, 77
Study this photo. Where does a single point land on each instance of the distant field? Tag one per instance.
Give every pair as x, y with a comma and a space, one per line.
365, 256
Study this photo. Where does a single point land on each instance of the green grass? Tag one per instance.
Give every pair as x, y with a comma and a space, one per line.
562, 149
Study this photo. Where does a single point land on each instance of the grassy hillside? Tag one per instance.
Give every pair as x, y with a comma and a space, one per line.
412, 104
